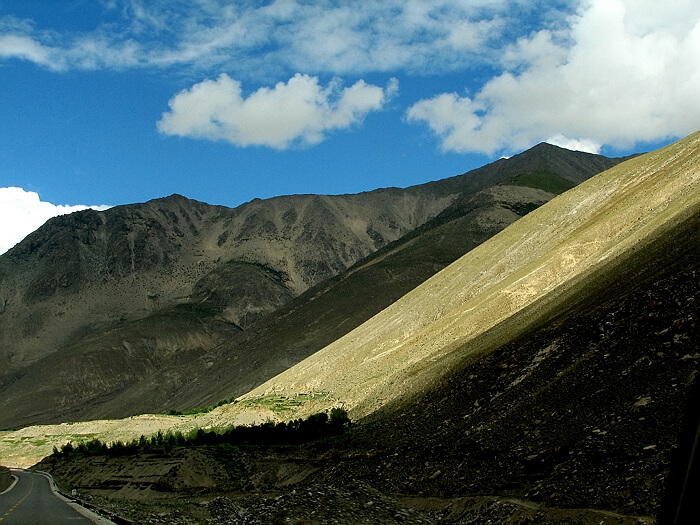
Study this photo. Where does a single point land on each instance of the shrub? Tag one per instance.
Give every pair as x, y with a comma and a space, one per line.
339, 419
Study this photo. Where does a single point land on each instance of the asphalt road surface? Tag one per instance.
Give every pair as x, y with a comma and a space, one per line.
32, 501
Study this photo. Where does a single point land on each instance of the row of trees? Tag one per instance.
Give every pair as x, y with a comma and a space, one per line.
298, 431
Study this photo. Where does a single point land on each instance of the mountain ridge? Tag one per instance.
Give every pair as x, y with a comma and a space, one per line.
145, 265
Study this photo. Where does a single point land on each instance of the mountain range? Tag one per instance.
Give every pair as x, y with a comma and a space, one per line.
548, 374
175, 304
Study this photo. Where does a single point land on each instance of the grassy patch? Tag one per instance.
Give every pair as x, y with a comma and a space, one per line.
274, 402
543, 180
203, 410
278, 403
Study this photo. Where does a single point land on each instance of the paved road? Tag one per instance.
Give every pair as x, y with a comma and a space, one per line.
32, 501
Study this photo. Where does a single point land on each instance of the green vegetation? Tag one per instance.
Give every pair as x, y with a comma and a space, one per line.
203, 410
274, 402
38, 442
521, 208
543, 180
314, 427
279, 404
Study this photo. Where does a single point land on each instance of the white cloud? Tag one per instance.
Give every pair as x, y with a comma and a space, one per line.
300, 111
22, 212
23, 47
435, 36
574, 144
600, 71
624, 71
247, 39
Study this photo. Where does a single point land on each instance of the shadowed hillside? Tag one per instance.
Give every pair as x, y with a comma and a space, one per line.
83, 286
84, 270
336, 306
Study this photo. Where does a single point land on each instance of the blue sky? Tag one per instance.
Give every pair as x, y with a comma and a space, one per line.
108, 102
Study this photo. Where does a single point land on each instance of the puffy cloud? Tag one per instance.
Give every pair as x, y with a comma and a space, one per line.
624, 71
574, 144
299, 111
22, 212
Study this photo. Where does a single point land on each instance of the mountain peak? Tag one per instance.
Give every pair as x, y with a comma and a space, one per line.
571, 165
174, 198
546, 146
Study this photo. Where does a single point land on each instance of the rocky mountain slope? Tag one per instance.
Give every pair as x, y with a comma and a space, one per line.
336, 306
461, 312
84, 270
132, 273
564, 404
137, 309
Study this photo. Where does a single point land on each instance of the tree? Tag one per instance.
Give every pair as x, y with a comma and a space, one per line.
339, 419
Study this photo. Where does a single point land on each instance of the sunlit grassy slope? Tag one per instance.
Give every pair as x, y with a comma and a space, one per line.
515, 281
543, 258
